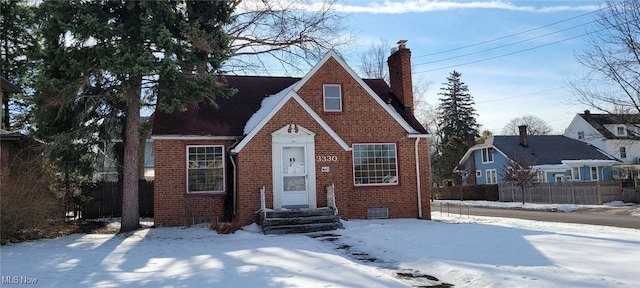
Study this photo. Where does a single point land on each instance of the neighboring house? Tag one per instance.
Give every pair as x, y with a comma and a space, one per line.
18, 149
555, 158
295, 137
6, 87
616, 134
107, 169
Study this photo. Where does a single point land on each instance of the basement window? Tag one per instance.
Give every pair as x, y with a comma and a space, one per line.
378, 213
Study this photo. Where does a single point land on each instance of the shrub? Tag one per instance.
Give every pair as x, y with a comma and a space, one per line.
29, 208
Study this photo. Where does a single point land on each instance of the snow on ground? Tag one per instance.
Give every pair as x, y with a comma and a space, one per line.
464, 251
635, 211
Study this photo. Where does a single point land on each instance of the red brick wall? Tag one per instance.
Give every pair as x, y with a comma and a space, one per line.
172, 205
363, 121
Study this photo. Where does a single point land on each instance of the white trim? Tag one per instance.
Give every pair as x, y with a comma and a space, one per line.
495, 174
193, 137
591, 173
276, 108
324, 97
224, 176
488, 154
418, 178
293, 135
353, 162
354, 75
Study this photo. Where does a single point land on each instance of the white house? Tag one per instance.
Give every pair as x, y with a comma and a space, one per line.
616, 134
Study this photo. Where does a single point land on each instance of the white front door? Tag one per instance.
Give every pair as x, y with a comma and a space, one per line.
294, 177
294, 166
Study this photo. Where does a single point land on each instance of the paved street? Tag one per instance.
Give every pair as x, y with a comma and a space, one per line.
594, 216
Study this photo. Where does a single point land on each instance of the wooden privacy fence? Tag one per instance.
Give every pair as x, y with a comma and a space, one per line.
587, 193
106, 200
472, 192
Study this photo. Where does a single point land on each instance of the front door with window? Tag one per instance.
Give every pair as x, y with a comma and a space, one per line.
294, 177
293, 168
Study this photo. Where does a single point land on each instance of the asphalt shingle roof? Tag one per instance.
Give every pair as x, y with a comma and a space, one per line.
548, 149
599, 120
231, 114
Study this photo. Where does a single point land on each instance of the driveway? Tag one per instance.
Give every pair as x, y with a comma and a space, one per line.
618, 217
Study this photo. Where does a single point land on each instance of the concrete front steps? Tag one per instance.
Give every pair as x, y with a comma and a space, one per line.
299, 221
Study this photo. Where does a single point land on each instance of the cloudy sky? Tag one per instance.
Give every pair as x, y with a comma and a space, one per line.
517, 57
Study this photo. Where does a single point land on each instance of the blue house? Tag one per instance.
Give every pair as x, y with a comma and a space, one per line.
555, 158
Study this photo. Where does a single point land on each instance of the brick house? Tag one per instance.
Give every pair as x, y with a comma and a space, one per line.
296, 137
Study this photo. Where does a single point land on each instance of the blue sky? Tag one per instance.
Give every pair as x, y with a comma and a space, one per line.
509, 86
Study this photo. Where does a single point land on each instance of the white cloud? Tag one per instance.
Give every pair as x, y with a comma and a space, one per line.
410, 6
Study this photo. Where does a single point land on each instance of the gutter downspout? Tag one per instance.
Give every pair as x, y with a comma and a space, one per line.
418, 178
235, 183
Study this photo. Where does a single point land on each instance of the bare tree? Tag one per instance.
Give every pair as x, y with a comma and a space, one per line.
535, 126
283, 33
612, 55
373, 61
520, 172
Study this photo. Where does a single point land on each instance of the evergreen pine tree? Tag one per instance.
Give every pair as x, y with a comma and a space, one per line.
457, 124
457, 115
113, 56
19, 49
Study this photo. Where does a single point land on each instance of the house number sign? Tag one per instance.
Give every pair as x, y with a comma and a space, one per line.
326, 158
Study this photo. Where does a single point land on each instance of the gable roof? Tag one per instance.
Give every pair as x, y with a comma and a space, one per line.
548, 149
231, 115
270, 110
544, 149
598, 121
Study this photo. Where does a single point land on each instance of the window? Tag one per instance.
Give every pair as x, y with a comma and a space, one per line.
594, 173
332, 95
623, 152
375, 164
205, 169
541, 176
621, 130
478, 173
580, 135
575, 173
559, 177
491, 176
487, 155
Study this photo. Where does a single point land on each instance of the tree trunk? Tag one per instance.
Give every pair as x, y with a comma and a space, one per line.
130, 210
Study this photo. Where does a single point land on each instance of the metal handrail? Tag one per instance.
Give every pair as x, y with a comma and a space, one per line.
331, 198
263, 202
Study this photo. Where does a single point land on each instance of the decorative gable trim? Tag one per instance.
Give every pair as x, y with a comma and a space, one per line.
291, 95
479, 147
332, 54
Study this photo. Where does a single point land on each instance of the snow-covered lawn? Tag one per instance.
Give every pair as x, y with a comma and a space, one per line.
464, 251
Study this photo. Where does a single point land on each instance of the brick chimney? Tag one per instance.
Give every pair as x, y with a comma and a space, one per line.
524, 139
400, 74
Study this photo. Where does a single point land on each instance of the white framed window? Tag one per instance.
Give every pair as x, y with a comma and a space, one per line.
623, 152
594, 173
332, 97
541, 176
478, 173
575, 173
205, 169
621, 131
559, 178
580, 135
492, 176
487, 155
375, 164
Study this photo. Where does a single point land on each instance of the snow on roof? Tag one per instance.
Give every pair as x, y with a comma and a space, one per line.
266, 106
